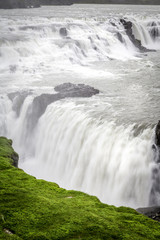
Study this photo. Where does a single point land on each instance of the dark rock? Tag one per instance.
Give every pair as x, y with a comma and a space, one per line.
157, 134
18, 99
154, 32
154, 147
120, 38
15, 159
151, 212
63, 32
14, 155
66, 90
137, 43
113, 24
73, 90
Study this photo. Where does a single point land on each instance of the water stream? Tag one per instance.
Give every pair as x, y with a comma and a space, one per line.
101, 145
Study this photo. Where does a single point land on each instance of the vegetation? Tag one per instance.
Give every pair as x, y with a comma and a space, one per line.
32, 209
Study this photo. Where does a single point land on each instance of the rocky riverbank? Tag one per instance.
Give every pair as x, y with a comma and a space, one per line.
36, 209
151, 212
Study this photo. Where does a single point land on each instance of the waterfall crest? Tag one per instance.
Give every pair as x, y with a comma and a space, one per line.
100, 142
28, 48
77, 151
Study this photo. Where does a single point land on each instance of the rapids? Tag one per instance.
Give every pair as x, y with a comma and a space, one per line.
101, 145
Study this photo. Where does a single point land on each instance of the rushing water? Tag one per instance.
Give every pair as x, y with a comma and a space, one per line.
100, 145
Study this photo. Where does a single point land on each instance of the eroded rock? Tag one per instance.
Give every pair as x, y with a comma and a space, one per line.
18, 99
157, 134
137, 43
63, 32
151, 212
65, 90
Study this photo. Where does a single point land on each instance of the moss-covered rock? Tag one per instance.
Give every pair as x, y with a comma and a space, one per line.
40, 210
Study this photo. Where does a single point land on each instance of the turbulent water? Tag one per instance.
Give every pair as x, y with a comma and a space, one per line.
100, 145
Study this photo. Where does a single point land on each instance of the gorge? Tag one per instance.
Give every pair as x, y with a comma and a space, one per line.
80, 97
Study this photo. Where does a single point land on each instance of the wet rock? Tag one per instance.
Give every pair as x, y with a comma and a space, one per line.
18, 99
157, 134
113, 24
14, 156
73, 90
137, 43
66, 90
156, 145
63, 32
15, 159
154, 30
155, 190
120, 38
151, 212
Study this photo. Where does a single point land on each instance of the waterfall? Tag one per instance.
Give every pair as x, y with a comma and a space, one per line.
148, 33
102, 145
35, 47
77, 151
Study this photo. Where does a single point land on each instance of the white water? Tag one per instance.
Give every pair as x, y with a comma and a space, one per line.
97, 157
35, 46
78, 151
101, 145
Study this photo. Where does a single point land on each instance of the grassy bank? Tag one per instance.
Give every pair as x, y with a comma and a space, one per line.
36, 209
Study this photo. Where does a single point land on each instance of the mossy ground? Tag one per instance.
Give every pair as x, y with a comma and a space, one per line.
40, 210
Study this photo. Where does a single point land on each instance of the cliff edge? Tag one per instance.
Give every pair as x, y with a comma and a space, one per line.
36, 209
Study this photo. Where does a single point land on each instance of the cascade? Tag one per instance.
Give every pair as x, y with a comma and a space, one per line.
68, 146
101, 141
79, 44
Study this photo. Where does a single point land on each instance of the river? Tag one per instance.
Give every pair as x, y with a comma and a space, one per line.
100, 145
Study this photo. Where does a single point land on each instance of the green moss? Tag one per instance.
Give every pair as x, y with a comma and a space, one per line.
36, 209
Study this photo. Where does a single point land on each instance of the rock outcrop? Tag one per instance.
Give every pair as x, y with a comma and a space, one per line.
151, 212
155, 32
15, 159
63, 32
137, 43
37, 209
66, 90
157, 135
